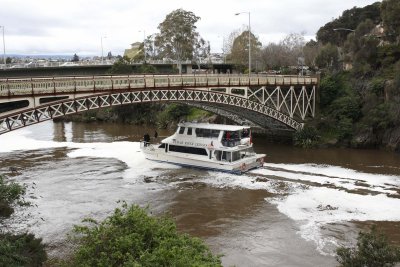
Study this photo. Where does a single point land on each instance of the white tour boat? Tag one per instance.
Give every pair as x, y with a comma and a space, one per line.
211, 146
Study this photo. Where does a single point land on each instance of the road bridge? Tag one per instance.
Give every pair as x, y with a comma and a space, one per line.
266, 100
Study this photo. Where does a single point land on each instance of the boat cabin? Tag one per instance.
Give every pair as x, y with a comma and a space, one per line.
220, 142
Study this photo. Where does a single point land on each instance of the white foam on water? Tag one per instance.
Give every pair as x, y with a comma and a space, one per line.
17, 140
226, 180
334, 175
316, 207
127, 152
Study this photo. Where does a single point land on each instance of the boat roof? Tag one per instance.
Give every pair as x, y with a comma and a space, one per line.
211, 126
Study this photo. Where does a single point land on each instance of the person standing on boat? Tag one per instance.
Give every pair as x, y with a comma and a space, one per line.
146, 139
211, 148
228, 138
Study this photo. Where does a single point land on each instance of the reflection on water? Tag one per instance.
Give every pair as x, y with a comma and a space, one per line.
294, 212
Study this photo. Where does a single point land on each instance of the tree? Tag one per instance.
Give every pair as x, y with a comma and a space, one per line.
130, 237
75, 58
361, 48
240, 49
349, 20
178, 38
284, 54
390, 10
109, 55
310, 51
328, 57
373, 250
121, 66
274, 56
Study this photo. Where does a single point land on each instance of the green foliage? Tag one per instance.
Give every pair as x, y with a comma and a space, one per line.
390, 11
172, 112
350, 19
331, 87
306, 137
373, 250
346, 106
147, 69
130, 237
377, 86
345, 128
240, 49
178, 38
21, 250
121, 66
328, 57
75, 58
364, 45
340, 107
379, 117
10, 193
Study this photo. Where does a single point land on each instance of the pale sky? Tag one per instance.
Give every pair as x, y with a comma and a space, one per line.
77, 26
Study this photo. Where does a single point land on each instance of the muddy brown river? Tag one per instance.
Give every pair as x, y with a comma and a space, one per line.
293, 212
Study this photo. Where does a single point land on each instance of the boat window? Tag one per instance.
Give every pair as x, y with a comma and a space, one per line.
188, 150
235, 155
162, 145
208, 133
181, 130
218, 154
226, 156
189, 131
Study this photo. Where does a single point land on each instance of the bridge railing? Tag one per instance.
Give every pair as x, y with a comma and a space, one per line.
63, 85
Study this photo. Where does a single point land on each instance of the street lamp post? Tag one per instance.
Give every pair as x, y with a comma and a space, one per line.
4, 48
249, 39
102, 54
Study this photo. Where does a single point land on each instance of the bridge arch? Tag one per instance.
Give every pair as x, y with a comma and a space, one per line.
185, 96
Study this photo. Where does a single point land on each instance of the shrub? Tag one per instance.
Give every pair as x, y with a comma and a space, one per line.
10, 193
21, 250
306, 137
373, 250
130, 237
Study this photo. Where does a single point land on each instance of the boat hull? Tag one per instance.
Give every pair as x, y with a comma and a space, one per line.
236, 167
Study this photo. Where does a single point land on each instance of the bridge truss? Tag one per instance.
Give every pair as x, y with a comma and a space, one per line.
286, 99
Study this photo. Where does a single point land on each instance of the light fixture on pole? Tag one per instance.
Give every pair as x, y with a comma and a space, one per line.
344, 29
144, 44
249, 39
4, 47
102, 54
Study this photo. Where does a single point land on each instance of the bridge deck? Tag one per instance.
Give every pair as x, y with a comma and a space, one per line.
14, 88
